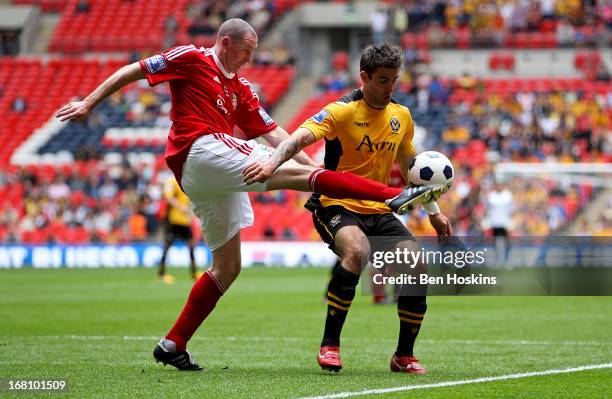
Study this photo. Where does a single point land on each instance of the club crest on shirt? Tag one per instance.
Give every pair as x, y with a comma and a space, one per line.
395, 125
320, 116
335, 220
234, 100
155, 63
265, 117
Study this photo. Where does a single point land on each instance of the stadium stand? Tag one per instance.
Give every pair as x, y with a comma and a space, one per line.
510, 24
118, 167
45, 5
112, 25
41, 87
117, 25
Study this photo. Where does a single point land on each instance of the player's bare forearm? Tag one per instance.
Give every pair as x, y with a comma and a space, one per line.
259, 172
122, 77
291, 146
277, 136
441, 224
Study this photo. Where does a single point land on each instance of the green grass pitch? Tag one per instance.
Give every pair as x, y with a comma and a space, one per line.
97, 328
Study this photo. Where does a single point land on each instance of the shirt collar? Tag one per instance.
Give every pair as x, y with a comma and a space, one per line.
227, 74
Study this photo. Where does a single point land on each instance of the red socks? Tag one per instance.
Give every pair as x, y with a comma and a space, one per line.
346, 185
202, 300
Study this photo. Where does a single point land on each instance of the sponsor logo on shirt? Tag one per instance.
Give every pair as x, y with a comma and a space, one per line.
361, 124
373, 146
155, 63
266, 118
320, 117
395, 125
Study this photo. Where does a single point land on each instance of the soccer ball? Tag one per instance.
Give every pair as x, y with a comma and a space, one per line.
431, 167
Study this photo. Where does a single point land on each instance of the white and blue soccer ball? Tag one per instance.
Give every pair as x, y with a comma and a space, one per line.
431, 167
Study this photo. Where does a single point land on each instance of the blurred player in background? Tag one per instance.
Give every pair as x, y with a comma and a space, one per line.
177, 228
365, 132
208, 101
500, 206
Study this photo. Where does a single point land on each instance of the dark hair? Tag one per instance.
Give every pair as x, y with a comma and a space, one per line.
380, 55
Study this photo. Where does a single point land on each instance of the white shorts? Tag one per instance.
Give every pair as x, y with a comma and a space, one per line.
213, 180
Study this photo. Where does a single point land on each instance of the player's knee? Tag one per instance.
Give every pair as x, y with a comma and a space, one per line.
227, 271
355, 258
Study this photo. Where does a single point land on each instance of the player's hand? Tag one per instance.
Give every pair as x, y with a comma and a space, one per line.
76, 110
441, 224
258, 172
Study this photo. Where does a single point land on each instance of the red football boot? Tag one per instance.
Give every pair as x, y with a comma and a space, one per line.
406, 364
329, 358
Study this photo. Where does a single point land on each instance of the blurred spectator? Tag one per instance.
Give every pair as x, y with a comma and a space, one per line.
282, 56
19, 105
456, 134
566, 35
288, 234
489, 23
339, 78
137, 225
170, 30
602, 73
205, 21
82, 6
58, 189
466, 81
9, 215
259, 16
263, 56
207, 15
606, 13
399, 20
269, 232
378, 24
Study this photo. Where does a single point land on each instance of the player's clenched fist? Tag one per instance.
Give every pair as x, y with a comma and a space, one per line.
73, 111
258, 172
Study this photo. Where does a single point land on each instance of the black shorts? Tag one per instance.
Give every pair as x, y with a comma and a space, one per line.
329, 219
500, 232
178, 232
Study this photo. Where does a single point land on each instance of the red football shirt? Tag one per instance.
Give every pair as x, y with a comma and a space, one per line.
205, 99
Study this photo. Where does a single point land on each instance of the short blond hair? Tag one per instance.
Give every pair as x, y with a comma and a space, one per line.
236, 29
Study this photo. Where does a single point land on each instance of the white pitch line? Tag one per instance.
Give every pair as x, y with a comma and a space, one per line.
299, 339
462, 382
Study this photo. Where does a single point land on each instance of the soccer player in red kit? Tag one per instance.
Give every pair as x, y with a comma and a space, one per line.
208, 101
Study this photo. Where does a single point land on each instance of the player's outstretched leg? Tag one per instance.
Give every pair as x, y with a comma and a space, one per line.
202, 299
340, 185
